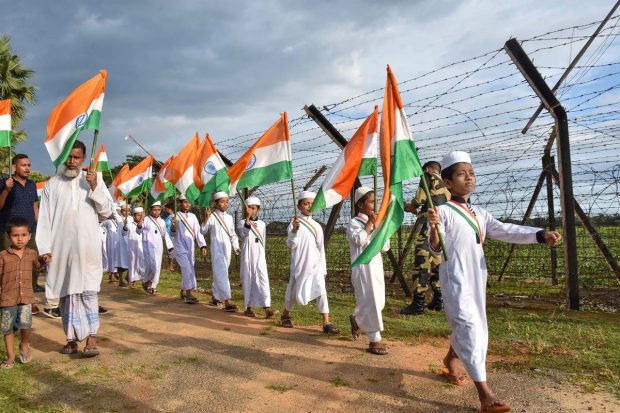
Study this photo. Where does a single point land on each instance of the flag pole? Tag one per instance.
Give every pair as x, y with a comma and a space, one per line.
144, 149
374, 179
431, 206
92, 151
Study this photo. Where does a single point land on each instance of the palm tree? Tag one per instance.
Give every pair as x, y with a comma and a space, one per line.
14, 85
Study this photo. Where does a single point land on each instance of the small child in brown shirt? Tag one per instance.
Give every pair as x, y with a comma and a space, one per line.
16, 294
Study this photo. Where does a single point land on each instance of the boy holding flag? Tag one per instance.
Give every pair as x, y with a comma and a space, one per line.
154, 239
308, 265
223, 238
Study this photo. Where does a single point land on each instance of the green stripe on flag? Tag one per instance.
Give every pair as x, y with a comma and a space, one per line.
5, 138
319, 202
192, 193
93, 120
406, 164
144, 186
103, 166
368, 167
219, 182
276, 172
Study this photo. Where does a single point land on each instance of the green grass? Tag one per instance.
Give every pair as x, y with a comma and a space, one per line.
280, 388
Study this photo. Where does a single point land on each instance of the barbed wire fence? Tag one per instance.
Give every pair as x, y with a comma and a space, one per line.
480, 105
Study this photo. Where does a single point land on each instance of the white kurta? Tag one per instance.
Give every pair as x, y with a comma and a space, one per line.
253, 272
104, 245
111, 240
308, 264
135, 271
183, 240
154, 235
122, 243
68, 229
368, 280
463, 280
222, 235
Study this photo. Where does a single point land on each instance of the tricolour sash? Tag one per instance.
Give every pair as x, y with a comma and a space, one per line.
187, 225
310, 228
467, 215
256, 231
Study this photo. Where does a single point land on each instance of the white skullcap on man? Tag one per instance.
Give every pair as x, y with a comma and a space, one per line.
122, 203
137, 210
182, 197
253, 201
307, 195
156, 203
116, 206
360, 192
453, 157
220, 195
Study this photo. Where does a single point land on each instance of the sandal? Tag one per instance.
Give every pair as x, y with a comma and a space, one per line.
90, 352
249, 313
270, 313
286, 321
378, 351
151, 291
7, 364
190, 299
144, 287
355, 329
495, 407
231, 308
69, 349
215, 303
330, 329
25, 358
453, 379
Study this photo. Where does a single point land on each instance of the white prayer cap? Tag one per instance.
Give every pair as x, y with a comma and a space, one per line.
253, 201
182, 197
116, 206
156, 203
219, 195
138, 210
453, 157
122, 203
360, 192
307, 195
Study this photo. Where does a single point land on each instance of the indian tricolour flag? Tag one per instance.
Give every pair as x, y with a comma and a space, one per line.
101, 160
399, 162
40, 186
161, 188
118, 179
180, 172
6, 132
210, 172
360, 152
138, 179
267, 161
80, 110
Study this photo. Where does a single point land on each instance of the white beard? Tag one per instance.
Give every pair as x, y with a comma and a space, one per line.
69, 173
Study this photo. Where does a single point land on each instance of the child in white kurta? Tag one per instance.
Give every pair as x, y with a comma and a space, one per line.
111, 241
223, 237
308, 265
186, 232
368, 280
135, 271
253, 272
154, 239
122, 244
463, 275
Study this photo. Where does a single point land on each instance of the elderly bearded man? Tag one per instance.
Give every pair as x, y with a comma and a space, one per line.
68, 240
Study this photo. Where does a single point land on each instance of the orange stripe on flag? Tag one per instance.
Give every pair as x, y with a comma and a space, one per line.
204, 152
99, 152
278, 132
138, 169
75, 104
159, 185
183, 160
5, 107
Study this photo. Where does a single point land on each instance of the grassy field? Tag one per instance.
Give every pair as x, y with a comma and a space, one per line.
577, 347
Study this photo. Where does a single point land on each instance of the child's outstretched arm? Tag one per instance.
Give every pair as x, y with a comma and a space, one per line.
433, 220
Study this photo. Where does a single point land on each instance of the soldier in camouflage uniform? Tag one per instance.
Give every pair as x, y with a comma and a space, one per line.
425, 265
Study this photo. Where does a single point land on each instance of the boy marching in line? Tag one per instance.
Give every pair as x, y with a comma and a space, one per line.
111, 229
16, 293
223, 238
254, 277
464, 275
169, 208
122, 245
154, 238
308, 265
134, 242
368, 279
186, 232
426, 265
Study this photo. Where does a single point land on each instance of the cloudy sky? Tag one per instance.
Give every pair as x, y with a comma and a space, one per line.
229, 68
